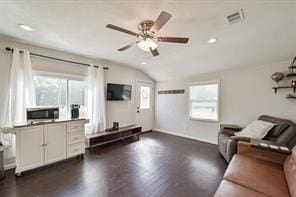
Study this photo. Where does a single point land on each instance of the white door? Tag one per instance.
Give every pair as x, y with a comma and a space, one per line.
29, 147
55, 142
144, 105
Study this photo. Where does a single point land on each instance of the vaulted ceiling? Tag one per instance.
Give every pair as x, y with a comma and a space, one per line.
267, 34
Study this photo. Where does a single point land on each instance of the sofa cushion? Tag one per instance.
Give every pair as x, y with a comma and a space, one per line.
227, 188
259, 175
288, 137
290, 172
257, 129
281, 125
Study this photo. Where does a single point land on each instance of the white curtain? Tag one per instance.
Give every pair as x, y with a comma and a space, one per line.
19, 96
96, 107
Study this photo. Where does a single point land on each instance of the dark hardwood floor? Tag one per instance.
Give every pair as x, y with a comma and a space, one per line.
157, 165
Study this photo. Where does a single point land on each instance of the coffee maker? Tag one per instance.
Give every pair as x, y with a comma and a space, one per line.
75, 111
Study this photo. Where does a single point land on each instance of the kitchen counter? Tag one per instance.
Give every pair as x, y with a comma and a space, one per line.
43, 143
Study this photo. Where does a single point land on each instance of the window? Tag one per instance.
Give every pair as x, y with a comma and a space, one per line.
61, 91
51, 92
204, 101
145, 97
77, 95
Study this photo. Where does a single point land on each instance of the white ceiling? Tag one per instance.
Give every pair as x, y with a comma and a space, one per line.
267, 35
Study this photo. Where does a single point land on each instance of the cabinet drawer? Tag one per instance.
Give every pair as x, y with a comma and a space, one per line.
77, 137
75, 126
75, 149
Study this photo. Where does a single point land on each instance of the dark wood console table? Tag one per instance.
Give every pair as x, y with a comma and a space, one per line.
105, 137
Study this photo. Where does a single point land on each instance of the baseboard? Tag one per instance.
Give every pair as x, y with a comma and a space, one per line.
148, 131
9, 166
185, 136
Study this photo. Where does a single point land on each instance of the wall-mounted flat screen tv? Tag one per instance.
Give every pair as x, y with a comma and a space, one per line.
119, 92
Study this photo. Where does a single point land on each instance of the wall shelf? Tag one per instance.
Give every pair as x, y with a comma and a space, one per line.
283, 87
291, 75
291, 97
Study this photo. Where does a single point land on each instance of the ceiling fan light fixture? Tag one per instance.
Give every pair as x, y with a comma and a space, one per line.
147, 40
145, 45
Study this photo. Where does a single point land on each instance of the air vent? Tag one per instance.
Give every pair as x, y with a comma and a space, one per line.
182, 91
236, 17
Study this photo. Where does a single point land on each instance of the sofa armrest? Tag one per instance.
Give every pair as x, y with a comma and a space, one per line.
241, 138
231, 127
245, 148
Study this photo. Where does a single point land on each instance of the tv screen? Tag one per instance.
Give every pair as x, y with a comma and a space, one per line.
118, 92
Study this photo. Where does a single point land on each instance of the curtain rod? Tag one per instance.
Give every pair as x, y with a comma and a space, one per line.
54, 58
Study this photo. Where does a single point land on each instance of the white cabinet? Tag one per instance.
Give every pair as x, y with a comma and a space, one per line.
45, 144
75, 126
54, 142
75, 138
29, 148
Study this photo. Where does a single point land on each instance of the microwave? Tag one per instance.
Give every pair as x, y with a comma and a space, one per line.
36, 114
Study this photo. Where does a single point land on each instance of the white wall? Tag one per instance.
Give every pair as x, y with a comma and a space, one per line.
121, 111
245, 94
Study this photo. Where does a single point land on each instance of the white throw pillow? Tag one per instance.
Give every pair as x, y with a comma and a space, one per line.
257, 129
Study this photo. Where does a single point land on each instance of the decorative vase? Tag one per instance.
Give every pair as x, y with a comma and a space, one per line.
277, 77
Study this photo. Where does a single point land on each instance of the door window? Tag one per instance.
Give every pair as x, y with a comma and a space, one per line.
144, 97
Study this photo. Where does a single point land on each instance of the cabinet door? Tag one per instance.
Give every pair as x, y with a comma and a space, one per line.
29, 146
55, 142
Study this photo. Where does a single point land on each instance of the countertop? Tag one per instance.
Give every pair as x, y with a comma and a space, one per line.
29, 124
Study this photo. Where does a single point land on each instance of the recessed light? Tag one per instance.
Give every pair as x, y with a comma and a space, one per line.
144, 63
212, 40
25, 27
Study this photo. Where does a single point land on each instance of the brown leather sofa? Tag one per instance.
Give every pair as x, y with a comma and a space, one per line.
255, 172
283, 133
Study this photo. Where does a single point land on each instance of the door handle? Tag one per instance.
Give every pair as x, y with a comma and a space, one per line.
138, 111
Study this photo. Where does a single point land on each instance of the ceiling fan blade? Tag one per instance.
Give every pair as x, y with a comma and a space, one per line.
128, 46
154, 52
173, 39
161, 21
114, 27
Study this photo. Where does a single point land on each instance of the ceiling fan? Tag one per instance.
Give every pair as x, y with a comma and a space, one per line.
147, 33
